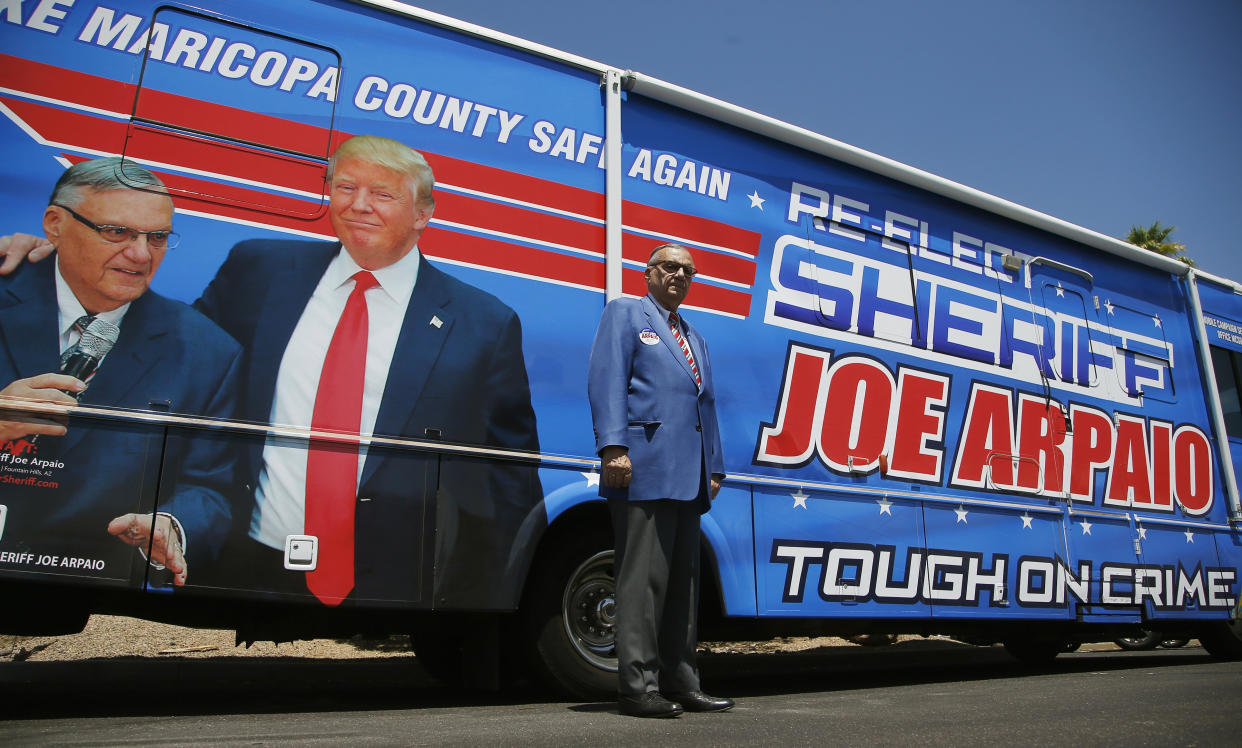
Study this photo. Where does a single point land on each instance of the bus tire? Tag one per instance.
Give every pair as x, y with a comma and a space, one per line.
1223, 640
1034, 652
568, 616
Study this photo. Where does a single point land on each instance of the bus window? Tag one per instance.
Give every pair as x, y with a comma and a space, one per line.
1226, 365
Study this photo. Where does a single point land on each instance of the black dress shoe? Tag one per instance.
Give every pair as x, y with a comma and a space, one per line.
697, 701
650, 704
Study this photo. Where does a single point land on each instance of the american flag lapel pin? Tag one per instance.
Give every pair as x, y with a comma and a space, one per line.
436, 322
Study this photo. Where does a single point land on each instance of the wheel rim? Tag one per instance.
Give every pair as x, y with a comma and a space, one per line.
589, 611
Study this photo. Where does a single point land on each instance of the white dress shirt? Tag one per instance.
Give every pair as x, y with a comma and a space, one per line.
280, 508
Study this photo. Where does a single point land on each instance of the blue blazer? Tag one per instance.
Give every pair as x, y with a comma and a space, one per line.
461, 381
167, 356
644, 397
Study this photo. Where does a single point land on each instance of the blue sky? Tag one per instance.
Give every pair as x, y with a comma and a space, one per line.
1105, 113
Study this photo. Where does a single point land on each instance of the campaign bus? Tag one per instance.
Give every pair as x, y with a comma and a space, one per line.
942, 413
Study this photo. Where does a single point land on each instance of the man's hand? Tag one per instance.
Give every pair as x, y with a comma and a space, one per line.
44, 388
165, 547
717, 479
616, 467
17, 247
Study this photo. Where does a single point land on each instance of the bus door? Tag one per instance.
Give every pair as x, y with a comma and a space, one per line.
1171, 579
1016, 538
1102, 549
1064, 295
1173, 547
991, 544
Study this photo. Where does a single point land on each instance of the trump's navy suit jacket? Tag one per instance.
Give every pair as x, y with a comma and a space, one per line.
461, 380
644, 397
167, 357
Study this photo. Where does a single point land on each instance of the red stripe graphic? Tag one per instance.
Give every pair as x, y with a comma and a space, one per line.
514, 186
703, 230
186, 150
513, 258
511, 219
101, 93
701, 295
725, 267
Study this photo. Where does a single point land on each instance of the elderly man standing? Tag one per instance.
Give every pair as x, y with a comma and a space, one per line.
654, 411
111, 224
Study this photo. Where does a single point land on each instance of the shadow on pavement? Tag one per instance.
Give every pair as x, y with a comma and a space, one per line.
248, 685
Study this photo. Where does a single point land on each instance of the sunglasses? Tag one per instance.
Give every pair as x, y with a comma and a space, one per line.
671, 268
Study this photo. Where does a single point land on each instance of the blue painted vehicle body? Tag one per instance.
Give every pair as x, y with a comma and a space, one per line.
938, 409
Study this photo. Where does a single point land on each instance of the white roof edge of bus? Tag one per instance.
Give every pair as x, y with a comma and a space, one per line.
762, 124
1232, 285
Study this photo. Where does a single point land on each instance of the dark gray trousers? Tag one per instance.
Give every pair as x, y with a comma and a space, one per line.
657, 570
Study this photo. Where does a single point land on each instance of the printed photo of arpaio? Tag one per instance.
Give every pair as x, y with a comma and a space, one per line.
357, 337
83, 327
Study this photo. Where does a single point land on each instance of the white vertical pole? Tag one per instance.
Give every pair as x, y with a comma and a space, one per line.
612, 184
1213, 393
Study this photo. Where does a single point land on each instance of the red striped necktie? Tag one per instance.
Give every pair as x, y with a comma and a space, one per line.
685, 347
332, 467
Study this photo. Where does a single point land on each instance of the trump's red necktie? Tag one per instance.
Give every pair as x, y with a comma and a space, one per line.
332, 467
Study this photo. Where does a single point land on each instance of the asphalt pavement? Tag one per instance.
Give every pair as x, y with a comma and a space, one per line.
930, 693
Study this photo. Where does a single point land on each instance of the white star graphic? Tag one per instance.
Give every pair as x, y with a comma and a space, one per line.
1086, 527
1142, 531
592, 478
886, 506
755, 200
961, 514
1060, 291
1190, 536
800, 499
1026, 520
1109, 306
1157, 321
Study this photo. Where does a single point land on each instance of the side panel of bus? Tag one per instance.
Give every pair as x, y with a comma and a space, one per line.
937, 412
928, 411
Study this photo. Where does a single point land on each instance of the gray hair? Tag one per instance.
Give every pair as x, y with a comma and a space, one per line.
103, 175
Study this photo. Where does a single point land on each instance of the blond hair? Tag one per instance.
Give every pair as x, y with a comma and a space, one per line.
390, 154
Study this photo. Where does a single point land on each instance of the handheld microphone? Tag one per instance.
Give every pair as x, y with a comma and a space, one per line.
97, 339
